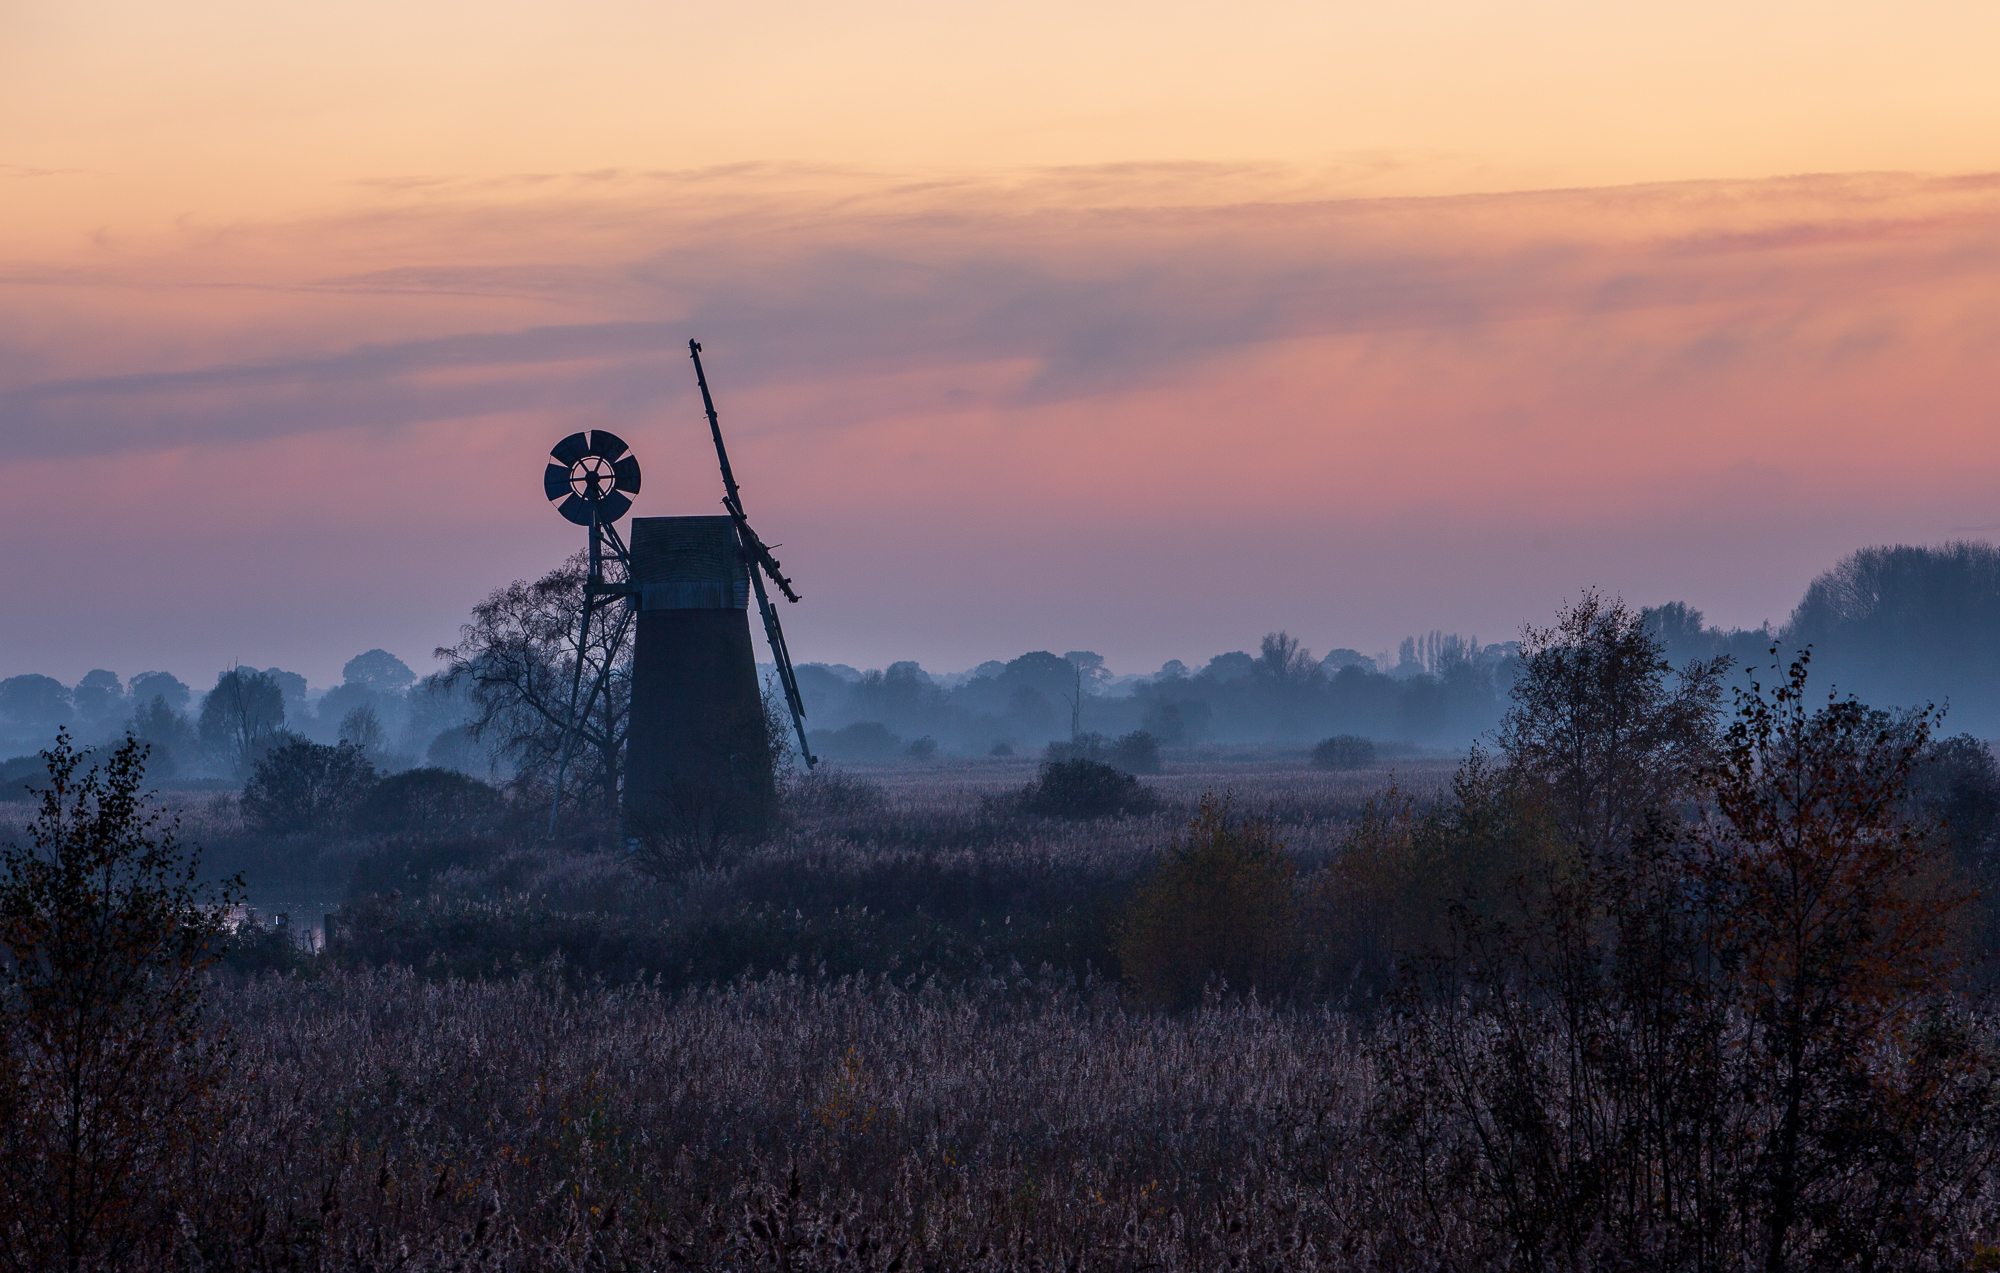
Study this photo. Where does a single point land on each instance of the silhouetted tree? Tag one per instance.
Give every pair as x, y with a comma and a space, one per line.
168, 734
109, 1074
1717, 1043
240, 717
306, 786
35, 701
517, 660
379, 670
1907, 625
1604, 724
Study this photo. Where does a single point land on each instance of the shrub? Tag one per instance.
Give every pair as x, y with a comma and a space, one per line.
863, 740
1220, 904
1344, 751
923, 748
1136, 753
1085, 789
834, 792
306, 786
410, 865
428, 802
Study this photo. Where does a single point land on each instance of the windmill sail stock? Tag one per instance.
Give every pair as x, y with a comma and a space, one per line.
758, 554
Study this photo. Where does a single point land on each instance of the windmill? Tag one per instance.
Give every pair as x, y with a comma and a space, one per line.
698, 761
590, 479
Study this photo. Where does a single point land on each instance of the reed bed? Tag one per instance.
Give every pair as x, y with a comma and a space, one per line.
787, 1122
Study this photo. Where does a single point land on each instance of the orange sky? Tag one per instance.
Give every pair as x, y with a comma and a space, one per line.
1143, 329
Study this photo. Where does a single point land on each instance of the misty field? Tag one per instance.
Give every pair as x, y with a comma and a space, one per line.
954, 1015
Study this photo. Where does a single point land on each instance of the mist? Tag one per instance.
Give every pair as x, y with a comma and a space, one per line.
1896, 626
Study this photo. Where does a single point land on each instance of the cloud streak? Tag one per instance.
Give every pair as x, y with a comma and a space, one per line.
1329, 409
1097, 300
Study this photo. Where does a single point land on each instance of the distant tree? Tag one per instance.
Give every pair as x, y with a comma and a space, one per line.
34, 700
291, 688
147, 686
111, 1074
1338, 659
1135, 753
456, 749
1605, 725
902, 698
516, 661
380, 671
362, 729
1284, 663
99, 696
1163, 720
1907, 625
863, 740
169, 735
306, 786
1229, 667
1091, 665
241, 717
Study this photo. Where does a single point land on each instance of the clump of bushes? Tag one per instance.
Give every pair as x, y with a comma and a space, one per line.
430, 802
411, 864
1135, 753
1221, 904
835, 793
1344, 751
305, 786
864, 740
1085, 789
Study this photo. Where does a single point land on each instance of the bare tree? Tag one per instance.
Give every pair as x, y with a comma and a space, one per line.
518, 658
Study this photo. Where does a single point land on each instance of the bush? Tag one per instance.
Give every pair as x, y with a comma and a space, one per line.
305, 786
429, 802
1344, 751
924, 748
19, 776
1136, 753
863, 740
1219, 905
410, 865
834, 792
1085, 789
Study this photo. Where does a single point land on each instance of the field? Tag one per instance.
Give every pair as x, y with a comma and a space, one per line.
896, 1037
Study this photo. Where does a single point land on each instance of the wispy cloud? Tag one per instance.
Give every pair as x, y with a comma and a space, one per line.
1096, 295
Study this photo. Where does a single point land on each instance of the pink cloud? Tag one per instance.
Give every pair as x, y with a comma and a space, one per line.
991, 419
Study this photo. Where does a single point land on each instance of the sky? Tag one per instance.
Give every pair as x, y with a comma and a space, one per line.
1144, 329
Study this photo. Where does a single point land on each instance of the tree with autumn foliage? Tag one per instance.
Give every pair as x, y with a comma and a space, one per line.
1724, 1042
109, 1075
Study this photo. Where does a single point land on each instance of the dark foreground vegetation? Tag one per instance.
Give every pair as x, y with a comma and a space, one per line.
1655, 982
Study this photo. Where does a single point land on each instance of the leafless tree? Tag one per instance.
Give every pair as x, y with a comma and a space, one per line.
518, 658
